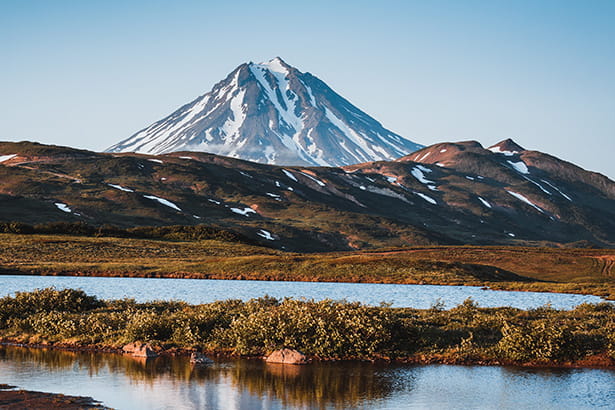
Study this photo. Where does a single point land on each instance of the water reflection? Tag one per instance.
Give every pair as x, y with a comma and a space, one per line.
136, 368
239, 383
172, 383
316, 385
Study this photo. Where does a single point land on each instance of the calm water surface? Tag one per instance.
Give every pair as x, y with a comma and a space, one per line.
204, 291
172, 383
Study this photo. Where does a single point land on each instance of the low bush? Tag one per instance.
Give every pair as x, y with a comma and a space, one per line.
46, 300
542, 340
325, 328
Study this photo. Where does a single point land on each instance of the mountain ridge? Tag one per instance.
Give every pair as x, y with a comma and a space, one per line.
447, 193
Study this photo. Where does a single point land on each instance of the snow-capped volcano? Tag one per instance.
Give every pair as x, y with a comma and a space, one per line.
272, 113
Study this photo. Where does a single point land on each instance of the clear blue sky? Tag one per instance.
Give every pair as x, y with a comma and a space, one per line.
90, 73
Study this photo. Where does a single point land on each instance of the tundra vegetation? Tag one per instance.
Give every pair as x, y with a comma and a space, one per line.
584, 336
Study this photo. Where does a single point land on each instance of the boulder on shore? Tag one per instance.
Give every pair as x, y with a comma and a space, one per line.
200, 358
287, 356
139, 349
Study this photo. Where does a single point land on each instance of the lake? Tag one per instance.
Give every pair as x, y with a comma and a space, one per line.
172, 383
197, 291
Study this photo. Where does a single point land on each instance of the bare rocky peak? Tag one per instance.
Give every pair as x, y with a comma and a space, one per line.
506, 146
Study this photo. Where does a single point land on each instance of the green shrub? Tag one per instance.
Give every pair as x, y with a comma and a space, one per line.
103, 326
325, 328
542, 340
610, 338
199, 325
45, 300
148, 326
55, 324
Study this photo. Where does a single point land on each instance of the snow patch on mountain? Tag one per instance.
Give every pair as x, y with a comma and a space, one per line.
386, 192
507, 147
519, 167
484, 202
63, 207
4, 158
233, 123
121, 188
539, 186
284, 106
498, 150
557, 189
524, 199
420, 176
391, 180
163, 201
265, 234
425, 156
426, 198
243, 211
367, 153
290, 175
318, 181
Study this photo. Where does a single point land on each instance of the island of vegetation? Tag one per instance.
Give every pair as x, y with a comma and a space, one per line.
323, 330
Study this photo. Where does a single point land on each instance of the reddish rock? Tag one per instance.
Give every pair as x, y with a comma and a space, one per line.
287, 356
139, 349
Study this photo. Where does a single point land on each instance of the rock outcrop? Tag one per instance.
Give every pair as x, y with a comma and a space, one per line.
287, 356
200, 359
139, 349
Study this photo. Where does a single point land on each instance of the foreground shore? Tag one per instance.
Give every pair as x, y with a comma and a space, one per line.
325, 330
10, 398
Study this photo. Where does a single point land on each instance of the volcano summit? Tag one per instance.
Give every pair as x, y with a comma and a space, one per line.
272, 113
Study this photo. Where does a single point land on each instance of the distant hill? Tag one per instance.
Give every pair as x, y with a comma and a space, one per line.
448, 193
